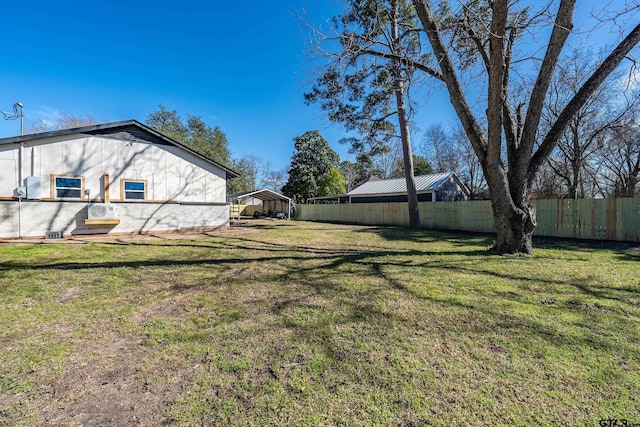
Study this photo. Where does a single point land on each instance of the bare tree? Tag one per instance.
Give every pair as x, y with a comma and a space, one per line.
451, 151
469, 169
386, 160
441, 149
254, 166
620, 163
548, 184
351, 173
487, 32
573, 160
355, 173
64, 121
274, 180
253, 170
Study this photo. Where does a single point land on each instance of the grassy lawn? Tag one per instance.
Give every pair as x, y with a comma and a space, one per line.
297, 323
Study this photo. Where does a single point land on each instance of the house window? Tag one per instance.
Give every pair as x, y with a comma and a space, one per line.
68, 187
134, 190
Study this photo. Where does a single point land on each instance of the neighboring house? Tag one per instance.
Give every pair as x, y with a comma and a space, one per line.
121, 177
435, 187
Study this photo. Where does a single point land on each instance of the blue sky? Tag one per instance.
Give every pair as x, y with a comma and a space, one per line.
238, 65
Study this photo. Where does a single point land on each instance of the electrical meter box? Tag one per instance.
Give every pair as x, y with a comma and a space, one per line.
33, 187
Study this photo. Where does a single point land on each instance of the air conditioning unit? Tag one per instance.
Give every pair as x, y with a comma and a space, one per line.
102, 211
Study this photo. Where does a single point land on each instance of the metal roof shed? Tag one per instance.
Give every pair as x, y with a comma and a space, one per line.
395, 190
264, 195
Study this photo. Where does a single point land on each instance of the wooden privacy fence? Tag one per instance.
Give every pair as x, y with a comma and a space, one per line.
601, 219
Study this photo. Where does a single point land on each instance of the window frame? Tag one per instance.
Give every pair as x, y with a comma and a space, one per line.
123, 191
55, 188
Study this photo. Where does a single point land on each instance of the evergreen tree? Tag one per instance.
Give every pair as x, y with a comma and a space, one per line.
195, 134
332, 183
312, 159
421, 166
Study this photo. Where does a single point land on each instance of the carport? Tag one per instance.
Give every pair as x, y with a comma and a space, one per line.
272, 202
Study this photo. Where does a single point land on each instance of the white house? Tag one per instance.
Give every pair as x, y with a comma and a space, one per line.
120, 177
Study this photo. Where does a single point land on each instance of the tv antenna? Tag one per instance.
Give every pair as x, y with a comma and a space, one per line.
18, 111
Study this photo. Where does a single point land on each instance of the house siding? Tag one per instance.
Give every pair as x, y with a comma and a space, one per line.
450, 191
183, 190
31, 218
171, 174
9, 169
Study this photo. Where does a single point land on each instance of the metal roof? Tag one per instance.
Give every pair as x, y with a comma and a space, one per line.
127, 130
265, 194
399, 185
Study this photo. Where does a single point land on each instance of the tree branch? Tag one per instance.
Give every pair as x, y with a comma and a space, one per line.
458, 100
509, 121
495, 97
559, 35
475, 37
580, 98
405, 61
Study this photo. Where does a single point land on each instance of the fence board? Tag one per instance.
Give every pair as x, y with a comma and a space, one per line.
600, 219
628, 224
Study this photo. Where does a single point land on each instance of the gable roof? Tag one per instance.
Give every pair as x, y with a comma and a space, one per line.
131, 130
424, 183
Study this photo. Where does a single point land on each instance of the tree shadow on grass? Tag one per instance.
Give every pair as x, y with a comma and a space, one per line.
581, 245
319, 278
266, 225
270, 252
628, 250
424, 235
631, 254
316, 321
331, 259
317, 269
475, 318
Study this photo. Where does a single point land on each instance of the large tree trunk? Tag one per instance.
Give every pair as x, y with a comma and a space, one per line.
514, 225
513, 217
405, 135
